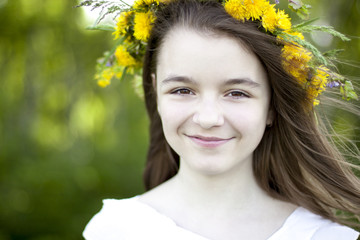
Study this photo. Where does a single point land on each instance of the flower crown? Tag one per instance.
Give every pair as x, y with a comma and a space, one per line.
300, 58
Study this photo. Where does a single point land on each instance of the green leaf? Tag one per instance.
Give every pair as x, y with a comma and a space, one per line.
295, 4
85, 3
342, 91
308, 22
302, 10
104, 27
349, 91
352, 95
137, 85
106, 7
333, 53
327, 29
337, 77
123, 74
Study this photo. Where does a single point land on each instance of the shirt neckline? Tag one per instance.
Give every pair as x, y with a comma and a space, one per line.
288, 221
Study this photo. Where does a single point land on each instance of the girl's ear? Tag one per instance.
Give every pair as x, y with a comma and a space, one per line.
270, 117
153, 78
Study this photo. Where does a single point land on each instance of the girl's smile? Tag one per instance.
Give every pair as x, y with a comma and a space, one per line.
208, 142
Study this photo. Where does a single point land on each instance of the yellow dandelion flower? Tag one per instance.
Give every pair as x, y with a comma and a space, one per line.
143, 24
295, 61
297, 34
292, 51
104, 78
123, 57
284, 21
269, 18
118, 73
297, 70
320, 79
254, 8
137, 4
236, 9
103, 82
316, 102
122, 24
148, 2
141, 3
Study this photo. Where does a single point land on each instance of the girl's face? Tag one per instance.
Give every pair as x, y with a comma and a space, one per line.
213, 100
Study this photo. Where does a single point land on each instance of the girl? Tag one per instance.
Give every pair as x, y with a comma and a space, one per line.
235, 151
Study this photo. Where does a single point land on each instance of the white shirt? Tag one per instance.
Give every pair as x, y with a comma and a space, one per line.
130, 219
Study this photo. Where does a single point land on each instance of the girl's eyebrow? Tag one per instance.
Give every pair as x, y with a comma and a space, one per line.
246, 81
177, 79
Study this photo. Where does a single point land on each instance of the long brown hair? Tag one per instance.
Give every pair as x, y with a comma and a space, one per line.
295, 161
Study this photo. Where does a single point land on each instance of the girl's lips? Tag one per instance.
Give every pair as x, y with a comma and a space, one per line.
209, 142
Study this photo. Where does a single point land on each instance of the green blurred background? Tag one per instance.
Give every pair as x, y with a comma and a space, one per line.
65, 143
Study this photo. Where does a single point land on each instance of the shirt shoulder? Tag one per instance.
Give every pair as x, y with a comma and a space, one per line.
102, 225
305, 225
118, 219
130, 219
334, 231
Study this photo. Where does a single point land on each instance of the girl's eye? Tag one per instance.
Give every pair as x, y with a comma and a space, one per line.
182, 91
237, 94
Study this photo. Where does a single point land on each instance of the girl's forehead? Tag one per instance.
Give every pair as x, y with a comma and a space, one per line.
180, 34
203, 55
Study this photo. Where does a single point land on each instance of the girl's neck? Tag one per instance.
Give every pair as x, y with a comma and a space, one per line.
224, 203
234, 189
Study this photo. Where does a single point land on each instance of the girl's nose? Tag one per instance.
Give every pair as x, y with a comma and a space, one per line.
208, 115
